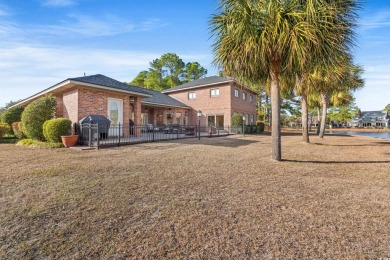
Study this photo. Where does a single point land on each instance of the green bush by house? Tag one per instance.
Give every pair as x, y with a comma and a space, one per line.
4, 128
53, 129
236, 120
17, 127
261, 126
12, 115
35, 115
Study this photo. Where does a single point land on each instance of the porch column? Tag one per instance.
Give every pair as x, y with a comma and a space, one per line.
137, 115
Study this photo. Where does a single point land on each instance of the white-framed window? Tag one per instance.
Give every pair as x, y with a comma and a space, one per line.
243, 95
192, 95
251, 98
214, 92
236, 92
252, 120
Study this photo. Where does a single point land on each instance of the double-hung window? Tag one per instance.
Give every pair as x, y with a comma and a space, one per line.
243, 95
214, 92
192, 95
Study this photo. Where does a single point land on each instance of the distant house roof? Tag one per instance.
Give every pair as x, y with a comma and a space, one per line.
372, 114
203, 82
160, 99
95, 81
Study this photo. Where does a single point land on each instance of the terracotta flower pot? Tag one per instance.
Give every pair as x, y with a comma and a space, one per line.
69, 140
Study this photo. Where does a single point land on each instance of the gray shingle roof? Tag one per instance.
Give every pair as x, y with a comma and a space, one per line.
199, 82
105, 81
161, 99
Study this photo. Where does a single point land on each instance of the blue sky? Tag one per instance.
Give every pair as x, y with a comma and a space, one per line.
43, 42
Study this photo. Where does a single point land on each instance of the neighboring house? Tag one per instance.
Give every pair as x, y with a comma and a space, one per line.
379, 119
218, 98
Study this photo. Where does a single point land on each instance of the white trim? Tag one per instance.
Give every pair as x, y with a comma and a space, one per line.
161, 105
198, 86
68, 81
110, 88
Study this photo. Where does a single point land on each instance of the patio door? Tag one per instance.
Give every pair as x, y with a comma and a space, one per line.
115, 114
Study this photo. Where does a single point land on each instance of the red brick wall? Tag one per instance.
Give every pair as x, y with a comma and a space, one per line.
81, 102
241, 106
70, 105
60, 106
225, 104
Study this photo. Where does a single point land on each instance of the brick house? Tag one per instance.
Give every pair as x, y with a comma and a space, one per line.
217, 97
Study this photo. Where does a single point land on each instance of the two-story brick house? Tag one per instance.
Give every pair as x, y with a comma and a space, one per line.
218, 98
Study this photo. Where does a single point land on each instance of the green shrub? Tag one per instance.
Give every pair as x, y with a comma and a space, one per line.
236, 120
37, 144
4, 128
53, 129
17, 127
35, 115
12, 115
260, 126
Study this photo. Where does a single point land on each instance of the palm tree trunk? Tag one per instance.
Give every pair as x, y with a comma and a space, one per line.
276, 152
305, 117
324, 102
318, 120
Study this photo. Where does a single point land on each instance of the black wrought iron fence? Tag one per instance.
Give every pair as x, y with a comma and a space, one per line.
98, 135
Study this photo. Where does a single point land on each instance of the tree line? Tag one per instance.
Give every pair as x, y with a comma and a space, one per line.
168, 71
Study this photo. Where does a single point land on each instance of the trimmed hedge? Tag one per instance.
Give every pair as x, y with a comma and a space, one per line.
4, 128
17, 127
11, 115
53, 129
36, 114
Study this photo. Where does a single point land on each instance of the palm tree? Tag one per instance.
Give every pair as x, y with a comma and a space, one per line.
337, 84
265, 39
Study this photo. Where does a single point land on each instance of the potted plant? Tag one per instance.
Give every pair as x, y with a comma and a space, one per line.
71, 139
60, 129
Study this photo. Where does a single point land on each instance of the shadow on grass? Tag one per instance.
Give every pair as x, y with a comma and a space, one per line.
220, 141
335, 162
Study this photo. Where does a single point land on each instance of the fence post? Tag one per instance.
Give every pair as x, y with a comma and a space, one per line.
119, 134
89, 135
153, 132
98, 135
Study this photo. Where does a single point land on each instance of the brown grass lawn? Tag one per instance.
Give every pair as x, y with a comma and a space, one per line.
218, 198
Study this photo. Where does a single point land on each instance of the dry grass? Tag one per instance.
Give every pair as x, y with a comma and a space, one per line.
222, 198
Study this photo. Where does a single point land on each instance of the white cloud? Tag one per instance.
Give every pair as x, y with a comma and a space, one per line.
26, 70
58, 3
378, 20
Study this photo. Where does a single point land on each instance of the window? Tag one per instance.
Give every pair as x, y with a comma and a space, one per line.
144, 118
252, 120
160, 119
169, 118
251, 98
214, 92
178, 118
243, 95
236, 92
192, 95
216, 121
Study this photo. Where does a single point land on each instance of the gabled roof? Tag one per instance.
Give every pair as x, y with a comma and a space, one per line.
102, 80
160, 99
203, 82
95, 81
366, 114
